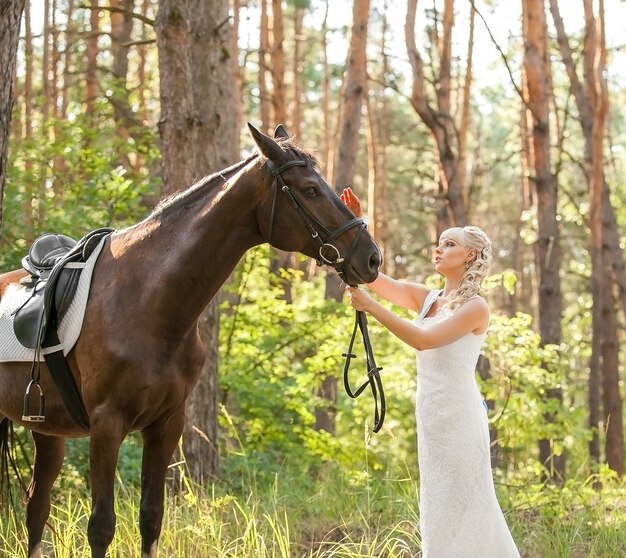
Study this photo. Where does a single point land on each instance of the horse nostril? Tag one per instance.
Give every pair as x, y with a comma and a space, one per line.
375, 260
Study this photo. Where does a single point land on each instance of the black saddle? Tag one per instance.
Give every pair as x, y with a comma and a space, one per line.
55, 262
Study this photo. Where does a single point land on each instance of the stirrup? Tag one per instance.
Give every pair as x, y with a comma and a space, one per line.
26, 416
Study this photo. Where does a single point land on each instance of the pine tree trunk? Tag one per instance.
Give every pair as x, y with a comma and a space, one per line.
237, 72
611, 397
326, 158
355, 88
264, 52
10, 19
296, 118
92, 51
198, 135
449, 208
378, 139
595, 225
547, 250
278, 64
592, 104
29, 217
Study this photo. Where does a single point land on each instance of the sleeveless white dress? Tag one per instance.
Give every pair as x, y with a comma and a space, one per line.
460, 516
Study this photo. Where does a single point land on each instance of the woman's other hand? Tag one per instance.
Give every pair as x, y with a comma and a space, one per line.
359, 299
352, 201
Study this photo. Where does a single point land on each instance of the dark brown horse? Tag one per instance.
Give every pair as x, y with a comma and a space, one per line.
139, 356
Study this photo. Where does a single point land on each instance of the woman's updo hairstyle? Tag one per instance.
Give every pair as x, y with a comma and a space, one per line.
473, 238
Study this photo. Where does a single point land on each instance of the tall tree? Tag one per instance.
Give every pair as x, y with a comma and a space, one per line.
278, 64
297, 64
10, 20
591, 97
377, 131
264, 52
92, 51
438, 117
353, 96
198, 135
547, 249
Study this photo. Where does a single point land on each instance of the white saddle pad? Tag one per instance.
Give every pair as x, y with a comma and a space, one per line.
69, 328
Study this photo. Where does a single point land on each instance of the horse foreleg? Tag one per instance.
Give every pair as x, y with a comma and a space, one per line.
160, 441
106, 438
49, 453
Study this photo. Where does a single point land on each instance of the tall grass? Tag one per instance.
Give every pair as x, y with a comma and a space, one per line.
331, 516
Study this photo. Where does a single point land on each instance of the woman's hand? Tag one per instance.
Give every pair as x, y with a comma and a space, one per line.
352, 201
359, 299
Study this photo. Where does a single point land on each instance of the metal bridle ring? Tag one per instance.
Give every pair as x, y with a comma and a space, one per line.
338, 260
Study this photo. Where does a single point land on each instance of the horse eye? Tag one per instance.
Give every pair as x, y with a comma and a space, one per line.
311, 191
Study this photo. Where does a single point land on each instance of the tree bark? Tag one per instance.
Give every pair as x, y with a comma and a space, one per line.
326, 159
92, 51
198, 136
608, 265
278, 64
296, 118
377, 140
595, 225
264, 51
450, 209
10, 19
355, 88
547, 250
237, 73
612, 415
27, 130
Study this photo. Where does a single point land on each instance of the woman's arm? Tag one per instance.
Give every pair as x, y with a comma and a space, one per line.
472, 317
407, 295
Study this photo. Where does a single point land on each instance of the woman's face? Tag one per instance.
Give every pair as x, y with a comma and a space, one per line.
450, 255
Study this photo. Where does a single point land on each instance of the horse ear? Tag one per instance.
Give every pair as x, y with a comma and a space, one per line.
266, 145
280, 132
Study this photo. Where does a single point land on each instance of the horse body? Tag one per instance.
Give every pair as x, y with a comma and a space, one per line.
139, 354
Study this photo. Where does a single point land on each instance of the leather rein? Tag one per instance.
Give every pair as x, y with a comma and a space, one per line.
340, 264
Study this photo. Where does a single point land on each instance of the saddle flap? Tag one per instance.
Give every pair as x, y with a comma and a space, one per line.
28, 321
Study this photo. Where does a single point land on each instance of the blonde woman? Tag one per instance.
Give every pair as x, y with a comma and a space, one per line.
459, 512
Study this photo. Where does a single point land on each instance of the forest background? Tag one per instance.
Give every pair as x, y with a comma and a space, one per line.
507, 115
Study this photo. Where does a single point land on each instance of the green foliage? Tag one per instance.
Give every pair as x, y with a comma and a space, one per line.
522, 372
274, 357
71, 185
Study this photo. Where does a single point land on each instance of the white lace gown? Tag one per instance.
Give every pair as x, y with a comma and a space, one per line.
460, 516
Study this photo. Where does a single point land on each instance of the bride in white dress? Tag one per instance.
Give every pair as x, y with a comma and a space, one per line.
460, 516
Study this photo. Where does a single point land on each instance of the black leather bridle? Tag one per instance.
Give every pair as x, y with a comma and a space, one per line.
328, 253
340, 264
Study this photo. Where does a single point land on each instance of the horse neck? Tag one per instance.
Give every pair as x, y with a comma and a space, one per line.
195, 242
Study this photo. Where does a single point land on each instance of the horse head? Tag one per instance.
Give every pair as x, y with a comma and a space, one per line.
302, 213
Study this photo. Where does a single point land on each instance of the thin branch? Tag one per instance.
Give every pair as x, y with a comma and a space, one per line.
116, 10
504, 59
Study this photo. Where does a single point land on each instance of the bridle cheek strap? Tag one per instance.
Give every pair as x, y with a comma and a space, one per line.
334, 259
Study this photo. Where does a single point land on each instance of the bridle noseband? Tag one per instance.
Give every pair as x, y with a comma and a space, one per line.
328, 252
340, 263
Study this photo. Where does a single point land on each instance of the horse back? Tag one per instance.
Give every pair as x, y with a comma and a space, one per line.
10, 278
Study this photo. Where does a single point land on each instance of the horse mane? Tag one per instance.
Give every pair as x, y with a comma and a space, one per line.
219, 177
171, 201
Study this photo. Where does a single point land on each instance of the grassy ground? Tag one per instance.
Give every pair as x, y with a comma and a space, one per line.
332, 517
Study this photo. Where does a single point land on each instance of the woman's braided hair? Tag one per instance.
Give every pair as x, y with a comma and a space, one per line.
474, 238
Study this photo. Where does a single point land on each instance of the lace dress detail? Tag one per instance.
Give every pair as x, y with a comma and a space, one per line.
459, 513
